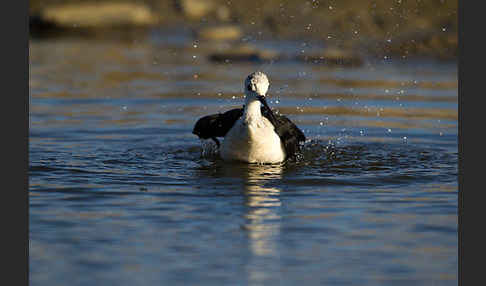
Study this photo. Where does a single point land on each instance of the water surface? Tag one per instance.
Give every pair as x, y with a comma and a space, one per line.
121, 192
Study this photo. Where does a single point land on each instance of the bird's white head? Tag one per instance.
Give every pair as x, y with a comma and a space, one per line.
256, 85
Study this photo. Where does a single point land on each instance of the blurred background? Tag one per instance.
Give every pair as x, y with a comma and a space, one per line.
122, 193
380, 28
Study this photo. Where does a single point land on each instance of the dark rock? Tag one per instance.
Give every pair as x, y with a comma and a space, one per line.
333, 57
243, 53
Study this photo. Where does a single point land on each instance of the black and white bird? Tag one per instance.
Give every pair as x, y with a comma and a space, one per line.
254, 133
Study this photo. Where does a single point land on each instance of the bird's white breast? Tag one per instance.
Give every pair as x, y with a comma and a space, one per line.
253, 141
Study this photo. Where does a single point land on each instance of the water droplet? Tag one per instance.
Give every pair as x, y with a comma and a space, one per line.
389, 130
321, 123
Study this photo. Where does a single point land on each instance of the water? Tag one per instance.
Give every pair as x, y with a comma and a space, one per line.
121, 194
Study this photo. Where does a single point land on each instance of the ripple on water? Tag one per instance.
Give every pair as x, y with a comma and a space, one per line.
324, 162
117, 179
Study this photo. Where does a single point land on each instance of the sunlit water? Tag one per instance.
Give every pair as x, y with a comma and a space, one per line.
121, 192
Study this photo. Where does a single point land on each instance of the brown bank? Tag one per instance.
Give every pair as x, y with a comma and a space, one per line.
383, 28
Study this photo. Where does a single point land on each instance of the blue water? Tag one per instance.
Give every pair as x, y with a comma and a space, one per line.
121, 192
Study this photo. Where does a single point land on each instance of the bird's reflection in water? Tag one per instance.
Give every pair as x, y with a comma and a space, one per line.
262, 217
261, 213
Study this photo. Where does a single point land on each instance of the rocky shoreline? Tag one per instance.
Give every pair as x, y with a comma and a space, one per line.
380, 28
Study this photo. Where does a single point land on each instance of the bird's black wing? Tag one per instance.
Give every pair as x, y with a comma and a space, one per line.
216, 125
289, 133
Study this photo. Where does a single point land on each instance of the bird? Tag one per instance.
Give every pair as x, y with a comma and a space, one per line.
253, 133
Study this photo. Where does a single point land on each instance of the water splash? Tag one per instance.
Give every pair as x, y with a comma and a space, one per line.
209, 149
